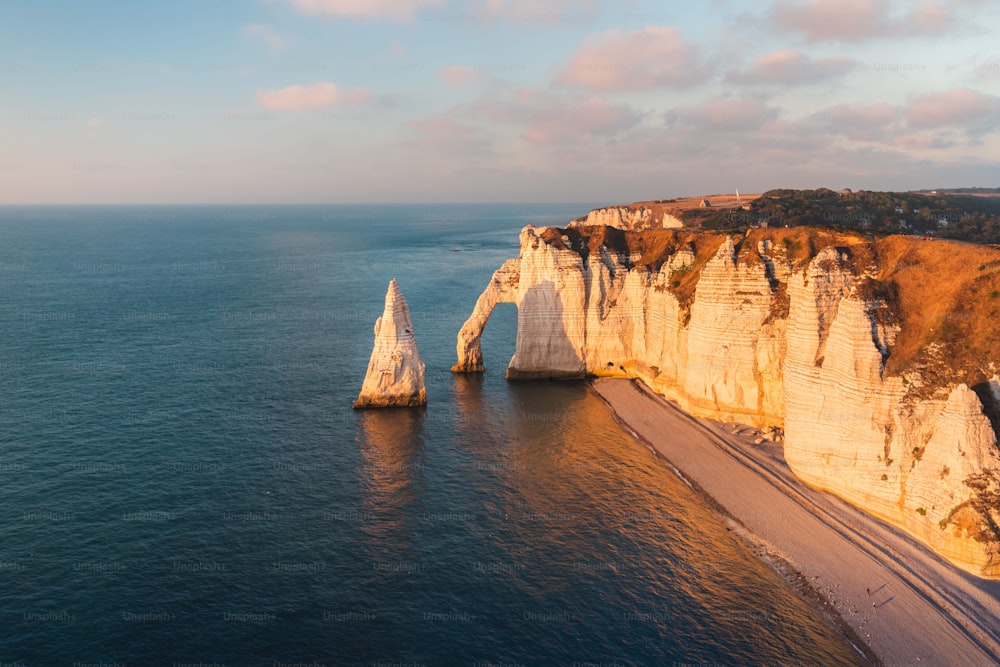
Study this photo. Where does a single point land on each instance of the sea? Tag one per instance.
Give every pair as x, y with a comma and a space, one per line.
183, 480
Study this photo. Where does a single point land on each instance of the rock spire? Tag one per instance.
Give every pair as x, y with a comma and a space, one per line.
395, 375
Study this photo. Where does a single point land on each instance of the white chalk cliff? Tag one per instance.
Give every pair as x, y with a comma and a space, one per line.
395, 376
781, 330
629, 217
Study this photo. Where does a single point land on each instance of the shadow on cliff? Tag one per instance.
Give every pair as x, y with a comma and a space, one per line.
989, 395
544, 348
391, 448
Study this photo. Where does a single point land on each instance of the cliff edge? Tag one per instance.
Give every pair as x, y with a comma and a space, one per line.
663, 213
873, 360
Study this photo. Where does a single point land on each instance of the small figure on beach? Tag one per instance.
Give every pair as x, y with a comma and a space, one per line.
869, 591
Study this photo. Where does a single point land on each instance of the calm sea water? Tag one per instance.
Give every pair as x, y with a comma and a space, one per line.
182, 479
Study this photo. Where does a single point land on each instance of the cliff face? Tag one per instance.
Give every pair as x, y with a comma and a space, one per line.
869, 355
633, 217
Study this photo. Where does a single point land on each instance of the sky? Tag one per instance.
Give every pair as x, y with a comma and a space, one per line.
399, 101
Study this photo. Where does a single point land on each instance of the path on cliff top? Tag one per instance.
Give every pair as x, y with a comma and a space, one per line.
926, 611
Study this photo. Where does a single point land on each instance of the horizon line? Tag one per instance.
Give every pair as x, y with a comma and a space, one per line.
357, 203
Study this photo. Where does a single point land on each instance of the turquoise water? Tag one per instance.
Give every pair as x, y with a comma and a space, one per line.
182, 479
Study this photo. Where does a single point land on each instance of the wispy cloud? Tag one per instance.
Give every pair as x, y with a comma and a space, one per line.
869, 122
922, 141
724, 115
457, 76
791, 68
635, 60
267, 35
446, 134
536, 11
316, 96
544, 117
971, 110
859, 20
364, 9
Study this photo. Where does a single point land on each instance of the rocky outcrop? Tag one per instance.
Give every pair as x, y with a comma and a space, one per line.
502, 289
630, 218
863, 354
395, 376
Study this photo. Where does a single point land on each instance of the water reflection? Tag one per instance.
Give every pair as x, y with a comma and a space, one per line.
391, 442
587, 523
467, 394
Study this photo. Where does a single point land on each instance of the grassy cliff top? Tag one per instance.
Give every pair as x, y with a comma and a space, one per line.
944, 296
963, 215
946, 293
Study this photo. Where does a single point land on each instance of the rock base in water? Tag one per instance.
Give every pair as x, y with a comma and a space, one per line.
418, 401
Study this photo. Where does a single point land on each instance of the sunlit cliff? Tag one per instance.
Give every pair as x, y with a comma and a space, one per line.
875, 359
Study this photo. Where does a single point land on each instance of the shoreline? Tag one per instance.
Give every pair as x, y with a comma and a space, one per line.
890, 596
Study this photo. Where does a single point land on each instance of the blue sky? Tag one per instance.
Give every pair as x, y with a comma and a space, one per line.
491, 100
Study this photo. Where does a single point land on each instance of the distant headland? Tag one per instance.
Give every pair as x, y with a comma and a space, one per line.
960, 214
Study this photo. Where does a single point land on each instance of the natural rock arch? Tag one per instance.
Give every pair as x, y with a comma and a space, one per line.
547, 286
503, 288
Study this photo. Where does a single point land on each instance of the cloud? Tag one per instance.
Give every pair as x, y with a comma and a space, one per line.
637, 60
364, 9
988, 69
548, 118
316, 96
858, 20
967, 109
537, 11
724, 115
457, 76
94, 122
266, 34
790, 68
922, 141
928, 18
443, 133
863, 123
579, 121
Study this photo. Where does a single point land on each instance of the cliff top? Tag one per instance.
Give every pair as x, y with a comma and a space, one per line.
946, 293
964, 215
680, 205
968, 214
944, 296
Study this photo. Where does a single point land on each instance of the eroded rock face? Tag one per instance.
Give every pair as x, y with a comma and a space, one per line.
773, 342
630, 218
550, 300
502, 289
395, 376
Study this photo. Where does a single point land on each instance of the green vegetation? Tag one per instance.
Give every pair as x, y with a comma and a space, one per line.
971, 191
965, 215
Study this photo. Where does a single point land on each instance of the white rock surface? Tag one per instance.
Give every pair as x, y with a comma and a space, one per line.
623, 217
395, 376
502, 289
814, 371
